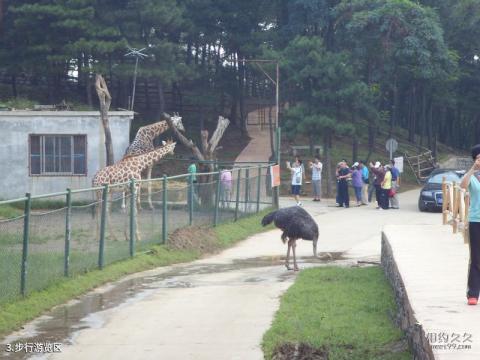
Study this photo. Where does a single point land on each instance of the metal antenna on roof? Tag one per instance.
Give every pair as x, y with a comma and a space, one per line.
138, 54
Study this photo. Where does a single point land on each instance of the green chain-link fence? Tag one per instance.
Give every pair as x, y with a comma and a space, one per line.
49, 237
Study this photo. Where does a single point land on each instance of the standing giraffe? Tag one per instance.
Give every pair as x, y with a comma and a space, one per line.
143, 143
131, 167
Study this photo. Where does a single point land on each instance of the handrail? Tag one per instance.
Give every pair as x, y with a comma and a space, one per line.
98, 188
455, 207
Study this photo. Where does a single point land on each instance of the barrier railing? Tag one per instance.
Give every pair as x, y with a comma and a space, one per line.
455, 205
44, 238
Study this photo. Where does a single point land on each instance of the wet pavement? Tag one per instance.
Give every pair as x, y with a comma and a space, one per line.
64, 322
214, 308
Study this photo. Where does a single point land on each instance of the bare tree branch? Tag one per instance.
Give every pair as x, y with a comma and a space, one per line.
217, 135
105, 100
186, 142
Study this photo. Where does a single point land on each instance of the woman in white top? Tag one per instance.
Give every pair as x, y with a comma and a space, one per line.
297, 176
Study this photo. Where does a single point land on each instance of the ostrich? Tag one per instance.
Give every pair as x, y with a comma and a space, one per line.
296, 224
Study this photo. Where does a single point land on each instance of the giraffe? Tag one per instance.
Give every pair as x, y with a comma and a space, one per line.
143, 143
131, 167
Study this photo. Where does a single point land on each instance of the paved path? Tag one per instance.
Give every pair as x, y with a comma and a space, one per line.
433, 264
258, 149
214, 308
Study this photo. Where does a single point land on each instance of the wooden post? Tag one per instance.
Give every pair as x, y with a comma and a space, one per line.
455, 207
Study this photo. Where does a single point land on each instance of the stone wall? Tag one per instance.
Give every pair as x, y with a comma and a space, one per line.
405, 317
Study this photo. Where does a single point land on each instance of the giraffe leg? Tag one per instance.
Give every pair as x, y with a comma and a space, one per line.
287, 262
96, 213
123, 201
109, 223
137, 230
139, 198
149, 187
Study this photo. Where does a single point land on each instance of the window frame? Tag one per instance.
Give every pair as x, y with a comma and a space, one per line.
42, 156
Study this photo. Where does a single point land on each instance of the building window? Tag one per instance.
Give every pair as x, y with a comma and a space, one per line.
58, 155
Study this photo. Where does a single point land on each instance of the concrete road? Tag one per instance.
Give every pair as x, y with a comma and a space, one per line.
214, 308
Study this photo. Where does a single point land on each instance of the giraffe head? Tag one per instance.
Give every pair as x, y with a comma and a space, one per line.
177, 122
168, 146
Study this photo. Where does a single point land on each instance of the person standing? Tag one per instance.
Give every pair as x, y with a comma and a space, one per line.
365, 176
343, 175
192, 169
297, 175
357, 182
394, 203
226, 181
316, 167
379, 173
386, 187
471, 182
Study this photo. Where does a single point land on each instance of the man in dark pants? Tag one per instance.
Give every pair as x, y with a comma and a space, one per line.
343, 175
471, 182
379, 173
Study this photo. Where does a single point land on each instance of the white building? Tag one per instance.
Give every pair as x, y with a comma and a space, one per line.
48, 151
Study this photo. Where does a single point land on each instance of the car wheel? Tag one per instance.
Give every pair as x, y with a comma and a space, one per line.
421, 206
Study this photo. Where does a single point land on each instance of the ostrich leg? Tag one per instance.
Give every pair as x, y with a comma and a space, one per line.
149, 187
294, 245
287, 260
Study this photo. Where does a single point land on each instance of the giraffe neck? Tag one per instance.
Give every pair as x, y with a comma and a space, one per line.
159, 128
147, 160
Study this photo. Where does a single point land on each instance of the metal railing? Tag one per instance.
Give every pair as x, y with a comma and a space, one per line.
455, 206
47, 237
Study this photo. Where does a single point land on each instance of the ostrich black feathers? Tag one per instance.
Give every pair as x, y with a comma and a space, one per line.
295, 223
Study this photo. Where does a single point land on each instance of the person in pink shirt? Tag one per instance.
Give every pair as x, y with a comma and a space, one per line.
226, 181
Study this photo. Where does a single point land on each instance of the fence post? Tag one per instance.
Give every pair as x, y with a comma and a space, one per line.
217, 200
26, 236
237, 195
258, 186
164, 212
133, 214
103, 222
190, 201
445, 200
68, 233
247, 185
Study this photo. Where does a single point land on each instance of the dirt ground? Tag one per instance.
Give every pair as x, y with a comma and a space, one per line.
299, 352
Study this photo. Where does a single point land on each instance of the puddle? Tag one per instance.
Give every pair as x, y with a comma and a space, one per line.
61, 324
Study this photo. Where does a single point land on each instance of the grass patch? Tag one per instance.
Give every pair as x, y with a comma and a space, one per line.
8, 211
346, 312
16, 312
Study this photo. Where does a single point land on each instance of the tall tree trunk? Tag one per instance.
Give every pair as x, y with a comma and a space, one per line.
14, 85
161, 98
412, 116
327, 145
355, 147
105, 101
430, 126
371, 135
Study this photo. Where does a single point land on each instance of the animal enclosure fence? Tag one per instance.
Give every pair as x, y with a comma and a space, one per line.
455, 205
49, 237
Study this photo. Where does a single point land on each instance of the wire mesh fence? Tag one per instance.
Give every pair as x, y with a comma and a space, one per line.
46, 238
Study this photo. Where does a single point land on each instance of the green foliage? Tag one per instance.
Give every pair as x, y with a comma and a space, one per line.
347, 311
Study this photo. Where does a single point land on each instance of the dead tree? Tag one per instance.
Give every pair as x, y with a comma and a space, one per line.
105, 101
207, 154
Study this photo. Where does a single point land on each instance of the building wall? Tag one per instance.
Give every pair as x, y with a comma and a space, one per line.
15, 128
